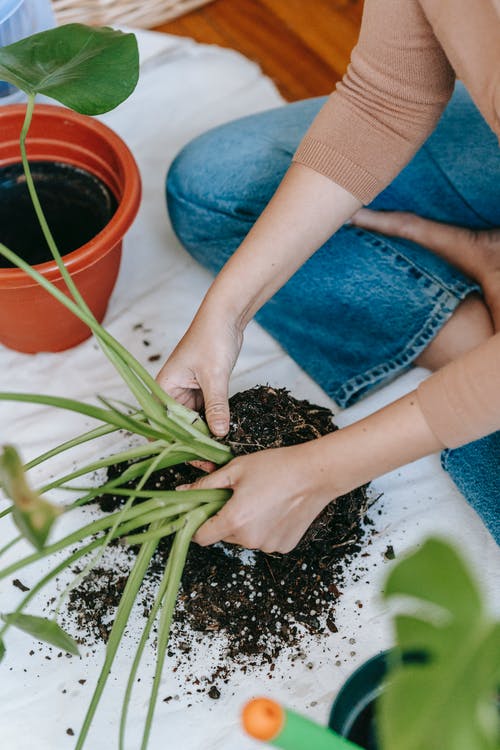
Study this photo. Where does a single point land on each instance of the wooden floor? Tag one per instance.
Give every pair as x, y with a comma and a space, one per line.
303, 45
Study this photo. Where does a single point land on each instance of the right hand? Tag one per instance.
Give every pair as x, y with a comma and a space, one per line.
197, 372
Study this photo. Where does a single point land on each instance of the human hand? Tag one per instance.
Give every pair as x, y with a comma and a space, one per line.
277, 494
475, 252
197, 372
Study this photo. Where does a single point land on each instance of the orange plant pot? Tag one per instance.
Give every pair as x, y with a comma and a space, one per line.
31, 320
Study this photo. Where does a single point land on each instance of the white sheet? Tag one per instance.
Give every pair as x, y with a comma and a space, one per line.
184, 89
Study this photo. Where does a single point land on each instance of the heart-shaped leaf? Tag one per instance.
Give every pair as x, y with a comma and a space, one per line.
33, 516
43, 630
447, 700
91, 70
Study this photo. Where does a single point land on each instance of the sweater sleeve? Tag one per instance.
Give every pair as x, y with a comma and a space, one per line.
461, 402
389, 101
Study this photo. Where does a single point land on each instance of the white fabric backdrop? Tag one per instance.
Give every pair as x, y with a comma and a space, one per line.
184, 89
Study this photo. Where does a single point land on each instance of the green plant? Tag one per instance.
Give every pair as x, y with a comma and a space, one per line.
92, 70
446, 699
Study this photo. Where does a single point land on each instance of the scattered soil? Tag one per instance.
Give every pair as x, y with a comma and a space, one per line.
260, 603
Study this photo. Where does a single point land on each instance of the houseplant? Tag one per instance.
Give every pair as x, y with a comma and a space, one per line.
436, 690
87, 180
91, 70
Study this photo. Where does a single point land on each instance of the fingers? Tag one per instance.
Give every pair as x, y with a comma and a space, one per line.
207, 466
219, 526
215, 392
214, 530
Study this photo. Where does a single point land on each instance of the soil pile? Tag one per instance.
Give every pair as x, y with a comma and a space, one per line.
261, 603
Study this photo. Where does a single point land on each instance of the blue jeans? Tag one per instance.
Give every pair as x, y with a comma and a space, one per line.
363, 308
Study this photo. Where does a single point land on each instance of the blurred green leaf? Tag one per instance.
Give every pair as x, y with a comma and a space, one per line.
91, 70
447, 701
43, 630
2, 649
33, 516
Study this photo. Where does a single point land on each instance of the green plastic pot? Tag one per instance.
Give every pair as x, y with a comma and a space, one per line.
353, 712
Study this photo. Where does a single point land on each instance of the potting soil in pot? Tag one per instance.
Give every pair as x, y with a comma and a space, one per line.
261, 603
77, 206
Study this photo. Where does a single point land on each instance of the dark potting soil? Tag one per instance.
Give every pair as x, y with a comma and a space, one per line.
77, 206
261, 603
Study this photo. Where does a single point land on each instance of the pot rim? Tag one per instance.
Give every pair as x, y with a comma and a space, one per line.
119, 223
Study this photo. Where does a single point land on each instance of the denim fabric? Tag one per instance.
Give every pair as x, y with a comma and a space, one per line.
362, 309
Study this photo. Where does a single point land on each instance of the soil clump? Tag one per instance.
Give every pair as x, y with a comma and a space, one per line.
260, 603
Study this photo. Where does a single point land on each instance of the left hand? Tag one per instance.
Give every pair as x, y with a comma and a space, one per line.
475, 252
277, 494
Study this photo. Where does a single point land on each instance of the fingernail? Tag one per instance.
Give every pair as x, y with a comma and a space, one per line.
220, 428
183, 486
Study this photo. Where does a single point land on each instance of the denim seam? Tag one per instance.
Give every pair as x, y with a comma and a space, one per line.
440, 314
446, 300
384, 243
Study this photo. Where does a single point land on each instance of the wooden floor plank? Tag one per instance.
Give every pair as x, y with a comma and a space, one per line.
303, 46
330, 31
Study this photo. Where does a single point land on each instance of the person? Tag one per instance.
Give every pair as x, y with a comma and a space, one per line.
272, 204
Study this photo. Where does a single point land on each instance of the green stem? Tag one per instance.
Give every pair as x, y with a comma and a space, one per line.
180, 455
54, 572
137, 513
130, 377
109, 535
166, 529
163, 531
181, 419
97, 432
94, 412
150, 449
10, 544
178, 554
140, 650
120, 622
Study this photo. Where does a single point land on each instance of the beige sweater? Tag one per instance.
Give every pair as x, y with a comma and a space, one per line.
400, 78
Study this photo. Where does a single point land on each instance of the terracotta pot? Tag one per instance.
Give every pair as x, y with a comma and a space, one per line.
30, 319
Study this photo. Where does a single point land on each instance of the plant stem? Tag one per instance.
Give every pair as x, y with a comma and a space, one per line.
10, 544
127, 600
109, 535
178, 554
130, 377
137, 514
55, 571
162, 531
97, 432
177, 456
140, 650
94, 412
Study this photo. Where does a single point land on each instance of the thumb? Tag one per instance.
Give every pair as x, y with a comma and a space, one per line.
216, 407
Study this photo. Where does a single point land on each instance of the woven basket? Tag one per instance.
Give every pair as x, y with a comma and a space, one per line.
146, 14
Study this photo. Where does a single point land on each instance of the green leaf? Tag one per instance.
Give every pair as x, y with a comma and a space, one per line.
91, 70
33, 516
2, 649
43, 630
446, 701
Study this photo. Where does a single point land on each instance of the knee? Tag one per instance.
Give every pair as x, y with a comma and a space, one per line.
469, 326
185, 180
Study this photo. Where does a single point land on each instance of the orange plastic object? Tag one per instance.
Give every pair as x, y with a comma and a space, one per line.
30, 319
263, 719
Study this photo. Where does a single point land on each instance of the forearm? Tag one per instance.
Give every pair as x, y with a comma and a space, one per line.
391, 437
305, 211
